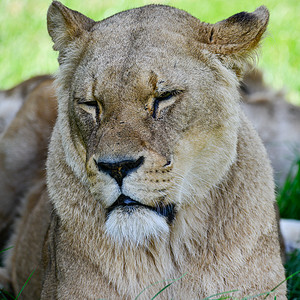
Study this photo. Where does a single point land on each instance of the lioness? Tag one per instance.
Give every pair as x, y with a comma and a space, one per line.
153, 171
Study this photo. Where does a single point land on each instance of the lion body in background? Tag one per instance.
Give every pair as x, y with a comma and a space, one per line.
28, 113
276, 121
153, 170
11, 100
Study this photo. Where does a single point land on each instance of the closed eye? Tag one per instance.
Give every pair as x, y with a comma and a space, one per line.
158, 104
89, 103
166, 95
92, 107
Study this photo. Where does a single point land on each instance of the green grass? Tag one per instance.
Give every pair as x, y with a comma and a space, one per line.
292, 266
26, 49
6, 249
289, 206
4, 295
289, 195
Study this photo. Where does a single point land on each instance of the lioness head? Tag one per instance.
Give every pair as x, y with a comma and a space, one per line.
148, 109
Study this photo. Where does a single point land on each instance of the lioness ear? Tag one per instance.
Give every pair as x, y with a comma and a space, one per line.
65, 25
237, 36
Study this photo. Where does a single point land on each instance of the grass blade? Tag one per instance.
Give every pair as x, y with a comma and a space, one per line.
25, 284
283, 281
174, 280
162, 290
155, 283
6, 249
220, 294
4, 293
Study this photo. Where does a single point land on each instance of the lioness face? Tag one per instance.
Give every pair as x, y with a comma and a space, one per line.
152, 127
153, 119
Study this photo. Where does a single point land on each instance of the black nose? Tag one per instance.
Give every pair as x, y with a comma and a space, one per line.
120, 169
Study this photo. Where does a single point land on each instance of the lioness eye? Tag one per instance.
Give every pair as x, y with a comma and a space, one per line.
92, 107
163, 100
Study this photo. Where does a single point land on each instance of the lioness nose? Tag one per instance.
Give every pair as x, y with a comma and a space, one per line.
121, 169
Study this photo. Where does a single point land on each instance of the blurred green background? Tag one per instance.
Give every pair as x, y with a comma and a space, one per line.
26, 49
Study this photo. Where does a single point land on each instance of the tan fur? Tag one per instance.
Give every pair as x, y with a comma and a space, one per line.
153, 91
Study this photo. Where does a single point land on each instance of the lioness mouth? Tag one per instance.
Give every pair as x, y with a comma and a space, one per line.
129, 205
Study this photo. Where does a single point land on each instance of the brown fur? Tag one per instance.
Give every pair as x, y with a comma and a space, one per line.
23, 148
156, 91
12, 99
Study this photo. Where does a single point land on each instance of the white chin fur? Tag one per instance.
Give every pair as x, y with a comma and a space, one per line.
136, 227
